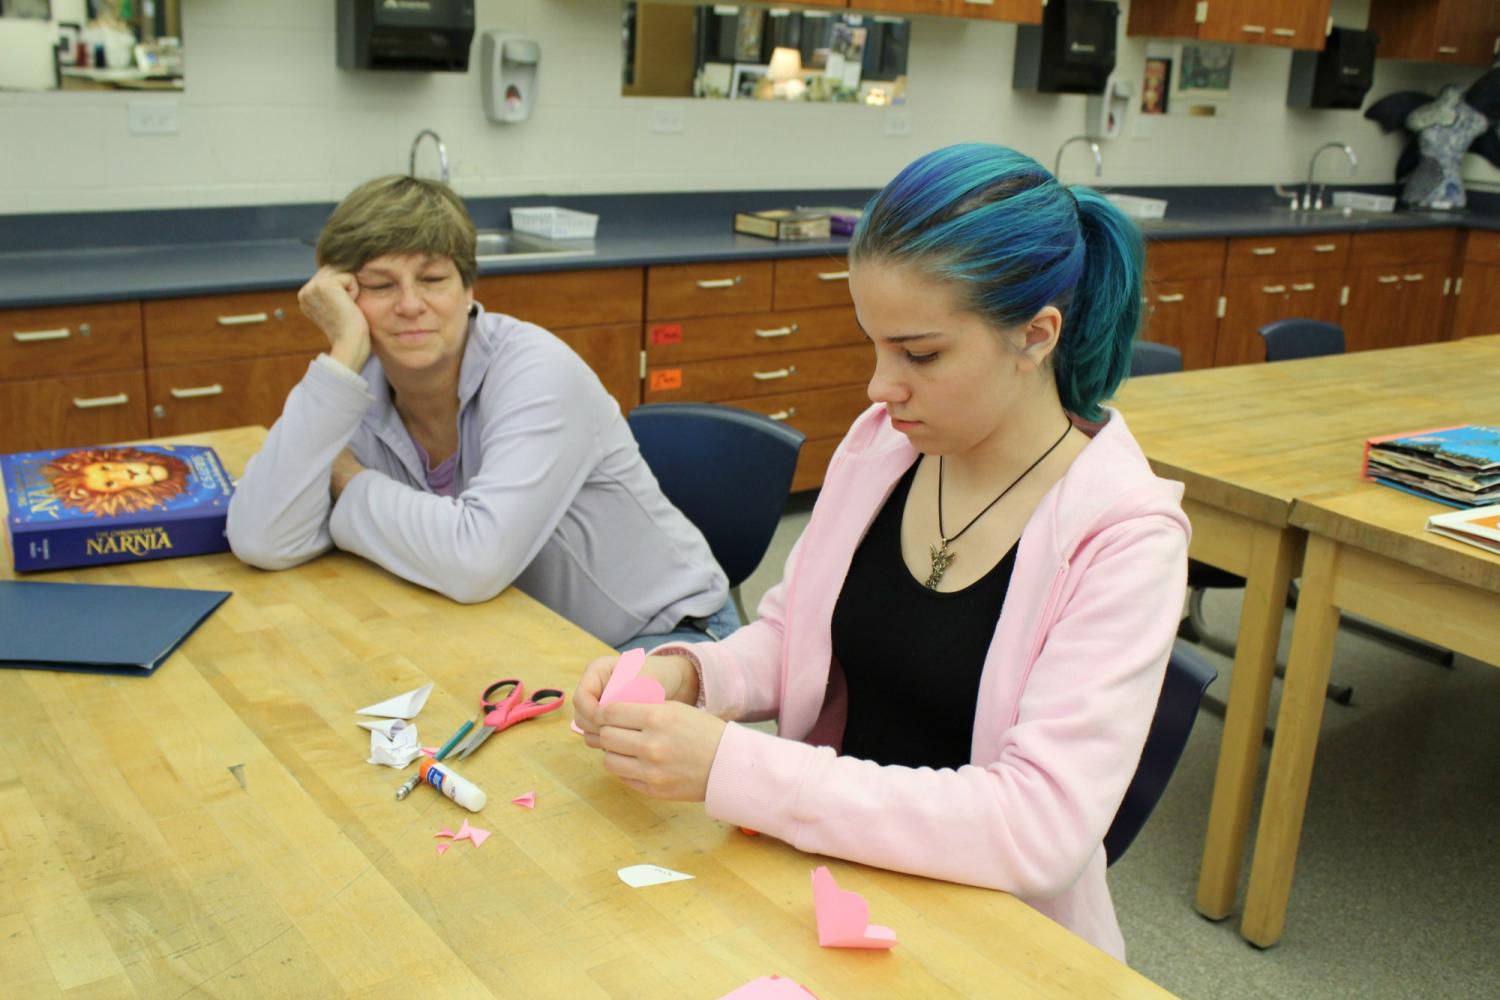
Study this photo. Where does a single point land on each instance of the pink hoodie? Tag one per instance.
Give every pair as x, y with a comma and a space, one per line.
1065, 700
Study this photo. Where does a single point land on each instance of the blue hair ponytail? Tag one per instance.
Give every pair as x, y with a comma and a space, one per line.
995, 223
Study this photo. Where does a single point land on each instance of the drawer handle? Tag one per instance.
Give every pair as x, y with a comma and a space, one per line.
1285, 32
773, 376
844, 275
118, 399
721, 282
1388, 279
1414, 277
197, 391
1303, 286
243, 319
1263, 251
780, 331
791, 411
1254, 29
32, 336
1273, 289
1325, 247
1174, 297
1448, 50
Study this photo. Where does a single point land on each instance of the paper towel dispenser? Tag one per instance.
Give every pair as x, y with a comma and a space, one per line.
1072, 51
1339, 76
422, 35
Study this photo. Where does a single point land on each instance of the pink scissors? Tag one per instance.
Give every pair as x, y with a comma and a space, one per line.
512, 706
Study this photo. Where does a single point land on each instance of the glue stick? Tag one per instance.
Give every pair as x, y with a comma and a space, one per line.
446, 780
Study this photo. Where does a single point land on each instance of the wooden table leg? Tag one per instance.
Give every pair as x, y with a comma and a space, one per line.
1297, 726
1274, 559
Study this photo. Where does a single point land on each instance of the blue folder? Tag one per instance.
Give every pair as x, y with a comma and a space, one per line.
97, 629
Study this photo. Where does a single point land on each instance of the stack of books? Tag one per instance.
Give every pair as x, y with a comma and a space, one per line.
1458, 466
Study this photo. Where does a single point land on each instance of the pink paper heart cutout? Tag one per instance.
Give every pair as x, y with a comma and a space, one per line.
627, 668
640, 691
843, 917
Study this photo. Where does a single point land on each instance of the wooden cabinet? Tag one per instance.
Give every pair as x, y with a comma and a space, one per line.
188, 398
1280, 277
1020, 11
1398, 288
1477, 311
597, 313
779, 338
1296, 24
1451, 31
1181, 298
71, 375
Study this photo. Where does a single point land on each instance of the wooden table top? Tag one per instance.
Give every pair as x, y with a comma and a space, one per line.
215, 830
1253, 438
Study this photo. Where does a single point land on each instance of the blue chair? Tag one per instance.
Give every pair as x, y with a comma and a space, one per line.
1147, 358
1289, 339
1188, 676
728, 470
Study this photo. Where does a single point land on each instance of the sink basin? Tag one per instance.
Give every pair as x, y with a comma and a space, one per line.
502, 244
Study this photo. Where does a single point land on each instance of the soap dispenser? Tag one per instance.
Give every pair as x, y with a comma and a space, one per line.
509, 75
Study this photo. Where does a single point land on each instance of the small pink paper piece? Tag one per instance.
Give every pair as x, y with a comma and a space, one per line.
626, 684
844, 917
430, 751
478, 836
463, 831
527, 801
771, 988
443, 847
444, 832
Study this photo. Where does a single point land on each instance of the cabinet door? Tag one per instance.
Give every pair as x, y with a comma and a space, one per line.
1185, 315
1254, 300
928, 7
1298, 24
1466, 32
214, 328
189, 398
1021, 11
79, 410
63, 339
566, 298
1478, 301
1373, 318
1422, 302
614, 352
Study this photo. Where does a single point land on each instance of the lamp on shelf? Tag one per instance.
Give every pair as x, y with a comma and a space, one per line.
785, 72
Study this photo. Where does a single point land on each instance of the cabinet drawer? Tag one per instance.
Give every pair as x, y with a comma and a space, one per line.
817, 413
228, 394
65, 339
566, 298
1180, 260
1385, 249
63, 412
811, 281
216, 327
675, 341
1483, 248
733, 378
1263, 255
681, 290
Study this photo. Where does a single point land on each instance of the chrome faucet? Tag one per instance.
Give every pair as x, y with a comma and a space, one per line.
1309, 203
1098, 159
411, 167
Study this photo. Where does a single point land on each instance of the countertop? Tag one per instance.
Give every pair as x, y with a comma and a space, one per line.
104, 257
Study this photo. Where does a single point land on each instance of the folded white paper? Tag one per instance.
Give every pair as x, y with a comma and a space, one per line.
403, 706
397, 750
640, 876
385, 727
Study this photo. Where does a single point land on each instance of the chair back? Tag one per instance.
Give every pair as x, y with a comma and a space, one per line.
1188, 676
1288, 339
728, 470
1147, 358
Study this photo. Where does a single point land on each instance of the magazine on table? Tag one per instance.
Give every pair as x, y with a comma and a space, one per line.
1478, 526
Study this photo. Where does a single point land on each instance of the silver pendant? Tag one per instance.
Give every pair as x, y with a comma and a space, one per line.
941, 560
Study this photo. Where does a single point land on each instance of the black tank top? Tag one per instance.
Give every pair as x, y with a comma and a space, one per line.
912, 656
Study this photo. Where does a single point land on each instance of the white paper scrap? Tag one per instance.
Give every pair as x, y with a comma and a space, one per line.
395, 751
385, 727
403, 706
640, 876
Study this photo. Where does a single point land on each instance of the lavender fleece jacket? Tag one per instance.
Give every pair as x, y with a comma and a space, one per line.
553, 494
1066, 697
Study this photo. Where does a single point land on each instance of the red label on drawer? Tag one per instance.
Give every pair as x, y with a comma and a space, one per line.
666, 378
666, 333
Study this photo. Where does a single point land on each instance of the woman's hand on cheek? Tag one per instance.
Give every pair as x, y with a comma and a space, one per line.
665, 751
329, 300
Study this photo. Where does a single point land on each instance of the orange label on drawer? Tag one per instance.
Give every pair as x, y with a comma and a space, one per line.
666, 333
666, 378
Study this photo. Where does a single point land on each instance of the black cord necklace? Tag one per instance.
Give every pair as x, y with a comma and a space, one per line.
941, 557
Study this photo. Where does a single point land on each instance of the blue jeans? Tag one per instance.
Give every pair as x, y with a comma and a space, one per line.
716, 626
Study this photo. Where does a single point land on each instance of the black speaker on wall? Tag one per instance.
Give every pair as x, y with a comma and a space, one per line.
1072, 51
1339, 76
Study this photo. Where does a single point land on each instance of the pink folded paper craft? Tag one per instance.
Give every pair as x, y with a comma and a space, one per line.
626, 684
771, 988
844, 916
528, 800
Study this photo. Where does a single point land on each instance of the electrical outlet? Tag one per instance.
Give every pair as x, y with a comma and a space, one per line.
153, 117
897, 121
668, 118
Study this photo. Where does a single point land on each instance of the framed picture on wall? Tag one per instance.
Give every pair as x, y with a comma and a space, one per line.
1154, 88
1205, 70
747, 77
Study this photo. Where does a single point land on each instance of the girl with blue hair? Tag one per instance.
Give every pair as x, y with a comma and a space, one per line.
965, 653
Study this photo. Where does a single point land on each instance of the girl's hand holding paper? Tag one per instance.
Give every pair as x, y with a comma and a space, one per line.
630, 676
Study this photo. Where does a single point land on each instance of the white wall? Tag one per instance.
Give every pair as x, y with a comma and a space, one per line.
268, 118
